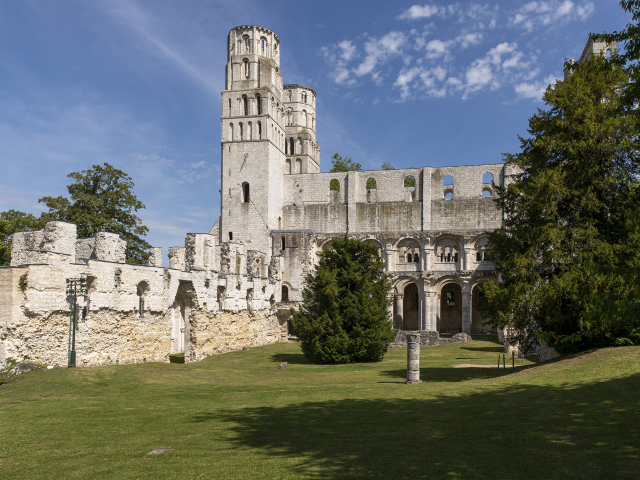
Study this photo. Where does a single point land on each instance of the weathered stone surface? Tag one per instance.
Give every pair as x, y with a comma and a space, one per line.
283, 365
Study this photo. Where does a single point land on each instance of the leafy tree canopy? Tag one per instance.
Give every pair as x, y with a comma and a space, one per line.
11, 222
102, 200
343, 317
565, 210
388, 166
344, 164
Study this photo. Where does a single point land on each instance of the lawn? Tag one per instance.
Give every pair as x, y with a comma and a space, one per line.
238, 416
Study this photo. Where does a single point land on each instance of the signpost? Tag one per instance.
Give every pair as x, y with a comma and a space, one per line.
75, 287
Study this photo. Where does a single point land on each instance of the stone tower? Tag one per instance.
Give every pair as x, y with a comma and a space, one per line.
301, 149
253, 138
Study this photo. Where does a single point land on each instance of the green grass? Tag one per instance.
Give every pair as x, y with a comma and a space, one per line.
238, 416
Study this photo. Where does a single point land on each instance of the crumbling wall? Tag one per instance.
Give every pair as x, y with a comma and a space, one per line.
110, 247
177, 258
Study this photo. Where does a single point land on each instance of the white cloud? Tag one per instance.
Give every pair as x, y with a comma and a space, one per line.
535, 15
469, 39
421, 11
377, 51
154, 159
198, 165
534, 90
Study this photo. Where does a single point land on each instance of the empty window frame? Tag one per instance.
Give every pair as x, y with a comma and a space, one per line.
259, 104
487, 178
245, 192
245, 104
447, 180
283, 243
371, 183
334, 184
409, 181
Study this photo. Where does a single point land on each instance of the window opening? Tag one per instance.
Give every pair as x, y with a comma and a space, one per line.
285, 293
410, 181
230, 233
283, 243
416, 258
448, 195
371, 183
486, 192
259, 131
247, 43
487, 178
262, 46
229, 107
241, 132
245, 100
447, 180
246, 68
259, 102
231, 131
334, 185
451, 299
245, 192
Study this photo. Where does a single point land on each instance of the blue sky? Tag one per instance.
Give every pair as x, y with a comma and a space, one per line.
137, 84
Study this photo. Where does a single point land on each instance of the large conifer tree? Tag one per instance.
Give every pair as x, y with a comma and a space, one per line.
344, 317
565, 210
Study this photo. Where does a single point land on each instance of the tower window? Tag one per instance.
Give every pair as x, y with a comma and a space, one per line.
230, 235
247, 44
262, 46
259, 131
283, 243
245, 102
229, 107
246, 68
241, 132
245, 192
259, 102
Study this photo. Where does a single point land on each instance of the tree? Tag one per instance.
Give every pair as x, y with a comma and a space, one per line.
343, 317
11, 222
388, 166
344, 164
102, 200
575, 177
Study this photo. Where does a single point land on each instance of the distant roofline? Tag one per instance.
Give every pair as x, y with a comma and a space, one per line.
258, 26
297, 85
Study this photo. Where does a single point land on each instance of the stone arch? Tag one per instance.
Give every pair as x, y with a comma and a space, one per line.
407, 249
450, 312
411, 307
284, 297
447, 180
142, 291
371, 184
334, 184
376, 244
487, 178
479, 247
447, 249
487, 191
478, 323
298, 165
183, 303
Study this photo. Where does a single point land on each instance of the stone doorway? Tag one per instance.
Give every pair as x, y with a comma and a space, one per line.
180, 313
451, 308
411, 308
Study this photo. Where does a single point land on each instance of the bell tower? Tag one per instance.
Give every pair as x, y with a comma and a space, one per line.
253, 138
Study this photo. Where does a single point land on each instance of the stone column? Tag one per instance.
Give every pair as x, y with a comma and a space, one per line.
390, 253
398, 323
427, 311
421, 311
155, 257
437, 307
466, 312
391, 298
413, 359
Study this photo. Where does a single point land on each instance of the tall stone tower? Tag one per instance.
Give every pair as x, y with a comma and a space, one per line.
301, 148
253, 138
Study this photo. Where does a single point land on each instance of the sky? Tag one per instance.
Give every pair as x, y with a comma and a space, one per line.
136, 83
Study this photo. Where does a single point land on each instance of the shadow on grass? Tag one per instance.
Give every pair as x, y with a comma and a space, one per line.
292, 358
524, 431
497, 349
451, 374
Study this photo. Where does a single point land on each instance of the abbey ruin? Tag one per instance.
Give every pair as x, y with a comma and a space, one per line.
234, 286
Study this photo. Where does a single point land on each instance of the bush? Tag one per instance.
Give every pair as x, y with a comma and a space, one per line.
343, 317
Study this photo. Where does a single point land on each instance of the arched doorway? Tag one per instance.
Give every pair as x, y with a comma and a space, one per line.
478, 324
451, 308
411, 307
179, 320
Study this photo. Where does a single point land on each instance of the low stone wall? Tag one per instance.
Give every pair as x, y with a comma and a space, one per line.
111, 337
428, 338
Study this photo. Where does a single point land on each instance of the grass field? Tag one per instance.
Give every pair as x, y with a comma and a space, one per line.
238, 416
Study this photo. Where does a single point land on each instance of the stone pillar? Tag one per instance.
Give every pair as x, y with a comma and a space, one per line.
413, 359
437, 307
390, 253
398, 323
155, 257
352, 181
390, 297
421, 311
427, 311
466, 312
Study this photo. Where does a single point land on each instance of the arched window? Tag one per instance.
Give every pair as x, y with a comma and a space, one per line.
231, 132
304, 97
287, 167
487, 178
305, 118
245, 192
285, 293
371, 183
298, 165
143, 287
486, 192
292, 150
334, 184
250, 136
409, 181
448, 195
245, 102
259, 131
262, 46
283, 243
229, 107
416, 258
259, 103
447, 180
241, 132
246, 68
247, 43
286, 147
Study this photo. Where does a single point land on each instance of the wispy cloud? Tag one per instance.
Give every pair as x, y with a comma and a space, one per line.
534, 15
